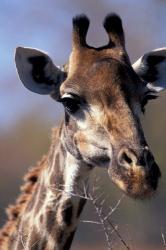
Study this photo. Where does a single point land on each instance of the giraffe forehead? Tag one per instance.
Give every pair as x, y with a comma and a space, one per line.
102, 77
88, 56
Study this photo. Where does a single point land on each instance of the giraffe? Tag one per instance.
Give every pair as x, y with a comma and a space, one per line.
103, 97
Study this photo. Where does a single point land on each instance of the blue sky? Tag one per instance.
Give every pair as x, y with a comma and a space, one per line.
47, 25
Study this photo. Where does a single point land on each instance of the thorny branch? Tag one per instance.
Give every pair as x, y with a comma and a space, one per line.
99, 212
113, 209
105, 221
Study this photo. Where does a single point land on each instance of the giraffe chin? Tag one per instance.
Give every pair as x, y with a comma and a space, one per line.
136, 182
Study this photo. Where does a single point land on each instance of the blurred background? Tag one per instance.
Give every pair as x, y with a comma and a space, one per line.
26, 118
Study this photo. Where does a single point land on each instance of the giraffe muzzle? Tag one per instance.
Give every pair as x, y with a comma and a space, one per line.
137, 175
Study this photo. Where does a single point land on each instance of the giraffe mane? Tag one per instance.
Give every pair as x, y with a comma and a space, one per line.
14, 212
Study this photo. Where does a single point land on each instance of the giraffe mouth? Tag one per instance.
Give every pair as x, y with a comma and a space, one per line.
102, 160
136, 180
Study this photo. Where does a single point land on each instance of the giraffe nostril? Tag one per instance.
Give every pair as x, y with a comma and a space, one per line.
126, 158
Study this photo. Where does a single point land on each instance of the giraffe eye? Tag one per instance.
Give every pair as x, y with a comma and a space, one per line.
71, 103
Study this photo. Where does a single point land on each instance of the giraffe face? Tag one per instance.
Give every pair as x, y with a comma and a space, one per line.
103, 98
103, 106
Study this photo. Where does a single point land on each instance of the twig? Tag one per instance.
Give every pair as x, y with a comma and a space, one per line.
71, 193
114, 208
105, 220
92, 222
163, 238
99, 213
119, 236
22, 241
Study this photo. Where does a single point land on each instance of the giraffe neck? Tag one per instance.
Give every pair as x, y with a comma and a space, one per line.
51, 217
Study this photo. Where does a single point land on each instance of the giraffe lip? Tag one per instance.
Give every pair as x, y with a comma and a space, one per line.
101, 160
100, 147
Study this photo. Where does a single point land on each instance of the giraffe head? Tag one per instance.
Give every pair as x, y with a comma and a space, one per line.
103, 97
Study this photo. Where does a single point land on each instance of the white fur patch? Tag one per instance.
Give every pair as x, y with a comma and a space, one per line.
76, 174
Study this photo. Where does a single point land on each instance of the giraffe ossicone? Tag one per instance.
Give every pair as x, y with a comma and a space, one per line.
103, 97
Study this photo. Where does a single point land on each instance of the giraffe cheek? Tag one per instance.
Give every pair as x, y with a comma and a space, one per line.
81, 143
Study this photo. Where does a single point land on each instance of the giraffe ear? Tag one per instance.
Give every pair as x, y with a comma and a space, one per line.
151, 67
37, 71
